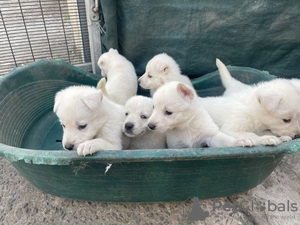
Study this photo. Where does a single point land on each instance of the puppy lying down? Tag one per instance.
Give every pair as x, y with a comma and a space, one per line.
90, 121
179, 114
267, 113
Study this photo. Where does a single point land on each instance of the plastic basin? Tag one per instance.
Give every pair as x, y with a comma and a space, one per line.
30, 138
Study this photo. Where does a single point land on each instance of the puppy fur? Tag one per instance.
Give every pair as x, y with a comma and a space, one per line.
231, 84
266, 113
296, 83
161, 69
179, 114
90, 121
120, 74
138, 109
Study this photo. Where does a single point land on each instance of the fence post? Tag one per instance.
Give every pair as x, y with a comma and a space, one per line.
92, 13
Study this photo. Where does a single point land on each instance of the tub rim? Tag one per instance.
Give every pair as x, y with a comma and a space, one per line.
63, 157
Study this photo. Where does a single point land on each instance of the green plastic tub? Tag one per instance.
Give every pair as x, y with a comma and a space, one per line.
30, 138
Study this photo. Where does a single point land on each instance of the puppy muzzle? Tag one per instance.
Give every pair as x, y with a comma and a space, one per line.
129, 126
69, 147
151, 126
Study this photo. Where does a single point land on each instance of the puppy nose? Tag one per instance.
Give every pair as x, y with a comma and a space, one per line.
151, 126
69, 146
129, 126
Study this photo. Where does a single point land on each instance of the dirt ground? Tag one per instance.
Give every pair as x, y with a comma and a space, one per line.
21, 203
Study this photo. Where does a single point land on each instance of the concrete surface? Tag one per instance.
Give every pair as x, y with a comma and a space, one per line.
268, 203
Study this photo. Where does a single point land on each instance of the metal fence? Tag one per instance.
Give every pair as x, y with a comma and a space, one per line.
32, 30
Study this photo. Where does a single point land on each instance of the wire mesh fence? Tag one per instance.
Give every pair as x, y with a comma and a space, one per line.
32, 30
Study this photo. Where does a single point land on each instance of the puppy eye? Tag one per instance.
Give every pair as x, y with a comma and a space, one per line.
287, 120
144, 117
168, 113
63, 126
81, 127
149, 76
126, 114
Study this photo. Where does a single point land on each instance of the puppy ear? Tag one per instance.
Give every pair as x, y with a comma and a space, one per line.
270, 102
162, 68
185, 91
57, 101
112, 50
92, 98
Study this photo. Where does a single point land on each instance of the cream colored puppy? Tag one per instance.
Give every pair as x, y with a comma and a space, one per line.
296, 83
138, 109
179, 114
270, 105
267, 113
121, 78
161, 69
231, 84
90, 121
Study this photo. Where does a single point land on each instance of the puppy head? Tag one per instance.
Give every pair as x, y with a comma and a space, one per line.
79, 111
279, 100
113, 51
138, 109
104, 64
160, 69
106, 61
173, 106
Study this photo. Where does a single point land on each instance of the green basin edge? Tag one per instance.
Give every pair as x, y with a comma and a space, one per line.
61, 157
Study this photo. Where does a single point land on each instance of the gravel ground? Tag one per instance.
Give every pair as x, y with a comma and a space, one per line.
21, 203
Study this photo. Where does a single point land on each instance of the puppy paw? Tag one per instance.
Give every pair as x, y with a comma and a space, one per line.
101, 84
285, 138
86, 148
245, 142
270, 140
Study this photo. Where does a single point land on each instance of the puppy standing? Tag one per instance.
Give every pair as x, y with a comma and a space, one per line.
90, 122
120, 74
179, 114
161, 69
138, 109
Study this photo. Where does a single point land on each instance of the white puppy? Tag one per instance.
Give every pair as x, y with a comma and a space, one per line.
296, 83
231, 84
266, 113
236, 87
90, 121
159, 70
179, 114
120, 74
138, 109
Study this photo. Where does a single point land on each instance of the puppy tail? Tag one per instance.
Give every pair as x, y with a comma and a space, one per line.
101, 86
231, 84
226, 78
